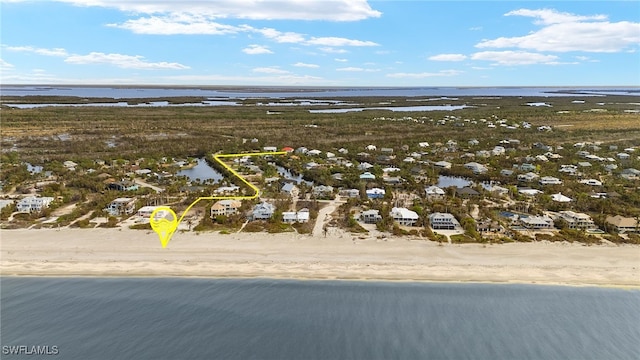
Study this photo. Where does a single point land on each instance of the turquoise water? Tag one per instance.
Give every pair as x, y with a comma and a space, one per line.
118, 318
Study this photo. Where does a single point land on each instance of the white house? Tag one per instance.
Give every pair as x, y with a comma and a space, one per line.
434, 193
371, 147
476, 167
443, 221
370, 216
375, 193
592, 182
121, 206
549, 180
146, 211
443, 164
577, 220
536, 222
262, 211
528, 177
560, 198
404, 216
290, 217
290, 189
33, 204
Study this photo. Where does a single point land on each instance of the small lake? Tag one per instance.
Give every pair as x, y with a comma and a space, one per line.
447, 181
287, 175
202, 171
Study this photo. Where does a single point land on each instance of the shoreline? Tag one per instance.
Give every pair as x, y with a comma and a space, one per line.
126, 253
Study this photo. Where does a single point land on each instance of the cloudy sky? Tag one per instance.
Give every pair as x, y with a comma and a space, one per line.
320, 42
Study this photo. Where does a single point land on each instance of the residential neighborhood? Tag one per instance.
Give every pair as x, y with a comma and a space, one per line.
426, 189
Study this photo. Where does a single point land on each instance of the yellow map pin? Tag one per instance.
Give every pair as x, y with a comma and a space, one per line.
164, 222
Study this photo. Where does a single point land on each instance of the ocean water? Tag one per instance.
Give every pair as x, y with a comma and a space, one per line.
135, 318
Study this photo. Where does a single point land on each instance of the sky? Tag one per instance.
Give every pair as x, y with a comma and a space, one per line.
320, 42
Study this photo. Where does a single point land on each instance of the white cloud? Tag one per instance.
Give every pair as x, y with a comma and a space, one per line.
333, 50
282, 37
515, 58
270, 70
551, 16
425, 74
122, 61
563, 32
448, 57
338, 41
256, 50
357, 69
332, 10
177, 24
340, 60
40, 51
5, 65
311, 66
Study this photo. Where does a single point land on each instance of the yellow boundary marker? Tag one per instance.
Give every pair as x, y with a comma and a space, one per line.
165, 234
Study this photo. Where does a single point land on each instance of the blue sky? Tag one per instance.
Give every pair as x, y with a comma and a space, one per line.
321, 42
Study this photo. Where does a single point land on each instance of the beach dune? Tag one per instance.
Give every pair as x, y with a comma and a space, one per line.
126, 252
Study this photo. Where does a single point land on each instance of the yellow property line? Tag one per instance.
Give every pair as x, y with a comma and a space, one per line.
217, 158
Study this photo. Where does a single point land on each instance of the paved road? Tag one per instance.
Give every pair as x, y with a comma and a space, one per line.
142, 183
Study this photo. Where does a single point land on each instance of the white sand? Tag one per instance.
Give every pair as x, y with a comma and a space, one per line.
125, 252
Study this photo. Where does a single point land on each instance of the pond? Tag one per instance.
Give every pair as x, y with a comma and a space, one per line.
447, 181
202, 171
287, 175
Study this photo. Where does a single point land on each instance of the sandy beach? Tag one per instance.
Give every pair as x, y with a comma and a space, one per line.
125, 252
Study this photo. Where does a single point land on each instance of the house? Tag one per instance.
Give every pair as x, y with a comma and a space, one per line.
301, 150
528, 177
370, 216
423, 144
630, 174
364, 166
291, 217
536, 222
290, 189
392, 180
225, 207
124, 185
466, 192
489, 226
262, 211
506, 172
70, 165
404, 216
527, 167
270, 148
386, 150
577, 220
350, 193
498, 150
473, 142
497, 189
367, 176
623, 224
121, 206
146, 211
592, 182
529, 191
375, 193
476, 168
560, 198
434, 193
623, 156
322, 191
33, 204
443, 221
371, 147
584, 164
549, 180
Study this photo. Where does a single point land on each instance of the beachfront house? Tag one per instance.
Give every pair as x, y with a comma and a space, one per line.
121, 206
291, 217
262, 211
576, 220
623, 224
32, 204
225, 207
536, 222
404, 216
370, 216
443, 221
